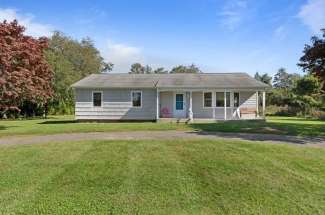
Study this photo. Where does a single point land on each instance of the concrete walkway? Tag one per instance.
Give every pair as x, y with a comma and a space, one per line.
167, 135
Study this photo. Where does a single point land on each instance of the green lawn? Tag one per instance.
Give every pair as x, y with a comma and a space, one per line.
66, 124
273, 125
161, 177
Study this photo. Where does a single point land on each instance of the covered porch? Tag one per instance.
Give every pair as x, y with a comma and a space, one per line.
188, 105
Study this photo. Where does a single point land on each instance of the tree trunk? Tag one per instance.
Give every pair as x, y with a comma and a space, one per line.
45, 110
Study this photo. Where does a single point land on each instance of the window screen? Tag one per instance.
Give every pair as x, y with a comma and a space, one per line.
236, 99
97, 99
207, 100
220, 99
136, 99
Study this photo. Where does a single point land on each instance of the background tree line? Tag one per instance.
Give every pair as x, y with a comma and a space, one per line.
137, 68
293, 94
36, 74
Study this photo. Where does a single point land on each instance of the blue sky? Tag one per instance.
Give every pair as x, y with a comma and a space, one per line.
218, 36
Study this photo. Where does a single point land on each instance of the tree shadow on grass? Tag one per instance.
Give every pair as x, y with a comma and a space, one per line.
265, 137
2, 127
58, 122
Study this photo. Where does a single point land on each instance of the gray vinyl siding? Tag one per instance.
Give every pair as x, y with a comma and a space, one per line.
83, 95
167, 101
116, 105
219, 113
247, 99
198, 110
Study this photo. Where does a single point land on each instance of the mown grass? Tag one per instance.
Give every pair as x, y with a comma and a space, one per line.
66, 124
273, 125
161, 177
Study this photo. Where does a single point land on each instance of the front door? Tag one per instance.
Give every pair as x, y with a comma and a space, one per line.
179, 105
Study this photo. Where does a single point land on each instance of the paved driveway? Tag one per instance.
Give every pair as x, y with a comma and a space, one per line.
169, 135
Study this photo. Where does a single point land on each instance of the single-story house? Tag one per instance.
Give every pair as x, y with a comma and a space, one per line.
217, 96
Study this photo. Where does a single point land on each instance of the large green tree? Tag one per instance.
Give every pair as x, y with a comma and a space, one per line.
313, 60
71, 60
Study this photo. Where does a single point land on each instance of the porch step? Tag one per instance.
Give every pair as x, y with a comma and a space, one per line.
175, 120
198, 120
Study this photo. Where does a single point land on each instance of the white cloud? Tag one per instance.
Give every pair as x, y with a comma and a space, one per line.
32, 28
280, 32
122, 55
232, 13
312, 14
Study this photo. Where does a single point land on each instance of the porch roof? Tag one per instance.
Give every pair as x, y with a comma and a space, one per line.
166, 81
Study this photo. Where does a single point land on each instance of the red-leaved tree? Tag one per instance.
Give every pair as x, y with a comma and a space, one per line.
24, 73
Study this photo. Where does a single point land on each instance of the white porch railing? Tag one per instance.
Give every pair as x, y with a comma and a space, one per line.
219, 113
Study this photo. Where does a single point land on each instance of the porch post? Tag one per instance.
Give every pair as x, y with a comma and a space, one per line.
190, 110
257, 103
157, 113
263, 108
225, 104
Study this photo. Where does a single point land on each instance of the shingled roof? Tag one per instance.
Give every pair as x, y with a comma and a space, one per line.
184, 80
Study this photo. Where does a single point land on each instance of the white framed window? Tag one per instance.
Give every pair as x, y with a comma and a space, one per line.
207, 99
236, 99
136, 99
220, 99
97, 98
